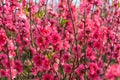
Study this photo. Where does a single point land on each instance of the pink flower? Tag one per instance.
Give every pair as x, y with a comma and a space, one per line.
80, 70
66, 45
2, 73
47, 77
11, 45
66, 56
94, 71
55, 65
67, 68
97, 45
3, 56
12, 54
90, 54
40, 41
76, 49
38, 60
34, 9
5, 63
41, 3
18, 66
13, 73
34, 71
46, 64
96, 35
58, 46
32, 50
3, 38
55, 38
113, 72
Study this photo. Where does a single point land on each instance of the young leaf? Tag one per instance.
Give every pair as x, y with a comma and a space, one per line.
63, 21
26, 9
40, 14
50, 55
118, 4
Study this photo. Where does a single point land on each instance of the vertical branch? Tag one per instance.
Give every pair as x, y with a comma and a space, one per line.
84, 37
3, 13
30, 15
46, 7
75, 34
31, 39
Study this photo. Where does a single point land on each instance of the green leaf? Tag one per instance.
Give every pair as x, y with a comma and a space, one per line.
28, 68
10, 34
40, 14
4, 78
61, 70
63, 21
20, 1
50, 55
26, 9
118, 4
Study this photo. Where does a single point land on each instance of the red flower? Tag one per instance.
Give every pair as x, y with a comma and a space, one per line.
3, 56
40, 41
37, 59
94, 71
18, 66
2, 73
55, 38
67, 68
47, 77
46, 64
113, 72
66, 56
3, 38
97, 45
34, 71
80, 70
90, 54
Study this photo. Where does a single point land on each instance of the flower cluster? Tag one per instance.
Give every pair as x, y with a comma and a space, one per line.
45, 41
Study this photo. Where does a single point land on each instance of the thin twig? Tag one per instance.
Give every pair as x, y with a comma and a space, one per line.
75, 34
